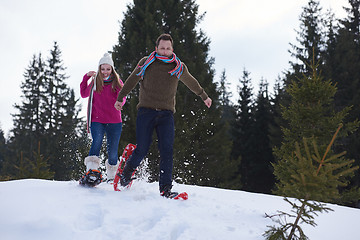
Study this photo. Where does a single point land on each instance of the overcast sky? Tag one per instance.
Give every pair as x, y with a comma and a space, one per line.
250, 34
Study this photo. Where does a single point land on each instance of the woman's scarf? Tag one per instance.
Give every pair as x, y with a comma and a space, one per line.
178, 70
108, 79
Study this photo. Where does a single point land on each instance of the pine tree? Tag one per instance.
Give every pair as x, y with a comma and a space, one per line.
279, 98
28, 127
310, 38
60, 117
330, 46
260, 169
242, 146
334, 47
310, 115
56, 92
226, 176
22, 168
40, 167
346, 59
28, 123
36, 167
225, 95
314, 175
47, 115
3, 153
227, 109
195, 126
343, 68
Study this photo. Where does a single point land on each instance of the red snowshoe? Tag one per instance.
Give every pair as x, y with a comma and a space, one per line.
124, 157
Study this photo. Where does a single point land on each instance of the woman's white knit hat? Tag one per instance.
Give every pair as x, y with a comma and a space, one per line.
107, 59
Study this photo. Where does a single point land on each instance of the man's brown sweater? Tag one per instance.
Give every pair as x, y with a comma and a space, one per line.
158, 88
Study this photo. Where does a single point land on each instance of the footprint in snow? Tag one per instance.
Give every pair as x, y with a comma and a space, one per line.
91, 218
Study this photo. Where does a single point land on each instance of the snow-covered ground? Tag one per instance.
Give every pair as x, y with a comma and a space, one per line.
40, 209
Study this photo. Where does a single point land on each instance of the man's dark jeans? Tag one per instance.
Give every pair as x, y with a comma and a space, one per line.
163, 123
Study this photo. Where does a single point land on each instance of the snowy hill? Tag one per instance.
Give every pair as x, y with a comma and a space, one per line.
51, 210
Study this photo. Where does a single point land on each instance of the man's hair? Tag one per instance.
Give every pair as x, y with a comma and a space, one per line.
164, 36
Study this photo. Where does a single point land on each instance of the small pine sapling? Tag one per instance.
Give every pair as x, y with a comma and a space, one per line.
313, 177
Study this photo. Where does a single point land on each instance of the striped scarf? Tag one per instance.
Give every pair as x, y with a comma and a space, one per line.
178, 70
108, 79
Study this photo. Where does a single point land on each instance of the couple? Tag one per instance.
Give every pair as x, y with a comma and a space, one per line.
158, 74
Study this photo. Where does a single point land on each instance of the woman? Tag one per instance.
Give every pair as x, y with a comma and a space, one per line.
103, 118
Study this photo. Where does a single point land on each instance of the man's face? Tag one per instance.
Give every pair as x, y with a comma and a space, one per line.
164, 48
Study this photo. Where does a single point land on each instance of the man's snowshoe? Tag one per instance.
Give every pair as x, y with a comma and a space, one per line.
91, 178
165, 191
126, 177
119, 177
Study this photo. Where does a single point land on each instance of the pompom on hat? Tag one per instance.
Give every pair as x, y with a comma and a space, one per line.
107, 59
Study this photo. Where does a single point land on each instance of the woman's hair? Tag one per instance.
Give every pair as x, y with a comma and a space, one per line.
99, 80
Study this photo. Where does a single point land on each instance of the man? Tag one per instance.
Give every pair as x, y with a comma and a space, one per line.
159, 74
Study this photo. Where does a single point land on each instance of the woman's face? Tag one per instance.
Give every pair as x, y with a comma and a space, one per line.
106, 70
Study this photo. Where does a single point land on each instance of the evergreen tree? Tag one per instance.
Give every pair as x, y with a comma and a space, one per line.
39, 167
56, 92
48, 115
310, 38
227, 109
352, 23
260, 170
310, 45
279, 98
345, 51
310, 115
28, 121
28, 127
3, 153
195, 126
60, 117
22, 168
343, 68
228, 175
315, 175
225, 95
330, 46
242, 145
335, 48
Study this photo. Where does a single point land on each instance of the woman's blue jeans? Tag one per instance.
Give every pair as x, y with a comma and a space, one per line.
113, 133
162, 121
